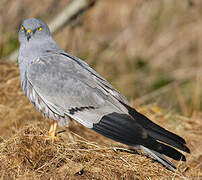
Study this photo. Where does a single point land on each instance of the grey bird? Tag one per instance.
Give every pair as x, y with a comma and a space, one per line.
63, 86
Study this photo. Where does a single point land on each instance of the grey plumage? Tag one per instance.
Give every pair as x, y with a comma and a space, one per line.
62, 86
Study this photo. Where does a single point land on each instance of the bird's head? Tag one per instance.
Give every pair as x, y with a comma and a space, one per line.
33, 29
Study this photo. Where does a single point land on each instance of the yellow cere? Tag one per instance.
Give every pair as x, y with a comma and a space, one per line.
39, 29
29, 30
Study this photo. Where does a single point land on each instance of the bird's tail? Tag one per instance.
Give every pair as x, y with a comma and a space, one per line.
158, 157
136, 130
157, 132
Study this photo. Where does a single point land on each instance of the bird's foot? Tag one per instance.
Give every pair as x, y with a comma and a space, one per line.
52, 132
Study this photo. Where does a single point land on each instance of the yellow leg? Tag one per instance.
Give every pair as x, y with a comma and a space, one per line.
52, 131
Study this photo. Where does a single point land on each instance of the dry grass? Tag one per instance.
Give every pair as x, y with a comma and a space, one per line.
150, 50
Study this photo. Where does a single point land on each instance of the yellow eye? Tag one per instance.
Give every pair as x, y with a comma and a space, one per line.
22, 28
39, 29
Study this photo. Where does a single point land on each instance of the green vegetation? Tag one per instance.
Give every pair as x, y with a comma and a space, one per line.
9, 45
161, 81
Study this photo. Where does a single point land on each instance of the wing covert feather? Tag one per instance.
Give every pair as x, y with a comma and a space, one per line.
66, 85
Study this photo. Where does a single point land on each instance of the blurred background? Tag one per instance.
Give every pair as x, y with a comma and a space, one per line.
151, 51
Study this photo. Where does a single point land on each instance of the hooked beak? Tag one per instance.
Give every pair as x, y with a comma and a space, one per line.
28, 34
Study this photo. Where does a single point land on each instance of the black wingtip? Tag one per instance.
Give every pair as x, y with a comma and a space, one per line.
148, 124
158, 132
186, 149
121, 128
